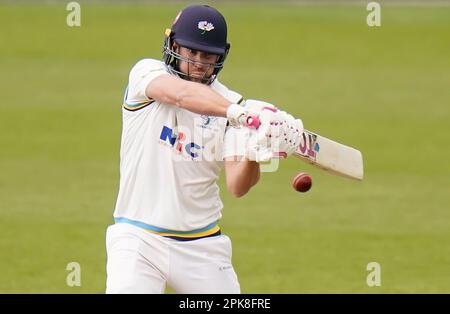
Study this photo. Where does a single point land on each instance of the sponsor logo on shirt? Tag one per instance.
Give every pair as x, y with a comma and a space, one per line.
177, 141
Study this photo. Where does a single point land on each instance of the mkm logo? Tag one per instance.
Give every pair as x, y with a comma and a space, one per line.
176, 141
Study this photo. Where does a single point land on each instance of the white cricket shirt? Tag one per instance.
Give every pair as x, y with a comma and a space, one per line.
170, 159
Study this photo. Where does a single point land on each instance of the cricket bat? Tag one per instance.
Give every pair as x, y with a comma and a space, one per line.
330, 156
324, 153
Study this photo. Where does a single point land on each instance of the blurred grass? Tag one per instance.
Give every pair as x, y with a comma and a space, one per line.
383, 90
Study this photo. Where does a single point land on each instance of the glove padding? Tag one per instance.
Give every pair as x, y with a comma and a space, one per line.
259, 144
278, 135
235, 115
257, 152
286, 135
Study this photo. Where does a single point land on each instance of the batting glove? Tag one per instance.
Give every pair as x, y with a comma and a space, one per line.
286, 135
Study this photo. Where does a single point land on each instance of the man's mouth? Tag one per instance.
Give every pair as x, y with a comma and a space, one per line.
198, 74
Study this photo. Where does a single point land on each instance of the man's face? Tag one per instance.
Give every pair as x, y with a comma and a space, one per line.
201, 68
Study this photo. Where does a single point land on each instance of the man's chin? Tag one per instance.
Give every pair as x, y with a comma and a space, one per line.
198, 79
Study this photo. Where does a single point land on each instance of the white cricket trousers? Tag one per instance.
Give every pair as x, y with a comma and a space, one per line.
143, 262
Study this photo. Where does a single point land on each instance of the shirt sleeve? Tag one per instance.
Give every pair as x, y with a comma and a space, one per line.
235, 141
232, 96
141, 75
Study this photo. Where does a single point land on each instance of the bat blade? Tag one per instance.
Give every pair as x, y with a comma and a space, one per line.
331, 156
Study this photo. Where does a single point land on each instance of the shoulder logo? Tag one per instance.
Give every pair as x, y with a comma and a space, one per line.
205, 26
207, 119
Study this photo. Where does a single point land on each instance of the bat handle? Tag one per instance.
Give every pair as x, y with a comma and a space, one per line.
252, 121
279, 155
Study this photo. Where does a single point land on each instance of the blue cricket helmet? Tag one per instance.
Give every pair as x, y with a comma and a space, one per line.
197, 27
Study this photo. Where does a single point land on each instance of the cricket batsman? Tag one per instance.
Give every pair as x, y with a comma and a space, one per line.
181, 127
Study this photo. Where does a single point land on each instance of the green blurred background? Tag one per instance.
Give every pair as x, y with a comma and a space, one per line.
384, 90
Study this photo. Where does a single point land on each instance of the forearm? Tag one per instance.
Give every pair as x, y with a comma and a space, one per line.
191, 96
202, 99
241, 175
254, 170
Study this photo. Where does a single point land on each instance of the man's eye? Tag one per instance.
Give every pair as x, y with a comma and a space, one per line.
194, 52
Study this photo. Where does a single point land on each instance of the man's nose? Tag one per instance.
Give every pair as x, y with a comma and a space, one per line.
199, 61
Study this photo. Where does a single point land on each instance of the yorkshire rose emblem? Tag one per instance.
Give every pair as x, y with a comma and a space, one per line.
205, 26
207, 119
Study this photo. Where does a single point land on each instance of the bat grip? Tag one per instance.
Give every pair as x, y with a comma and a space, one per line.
252, 121
279, 155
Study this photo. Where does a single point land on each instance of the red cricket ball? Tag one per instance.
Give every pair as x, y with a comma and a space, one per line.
302, 182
